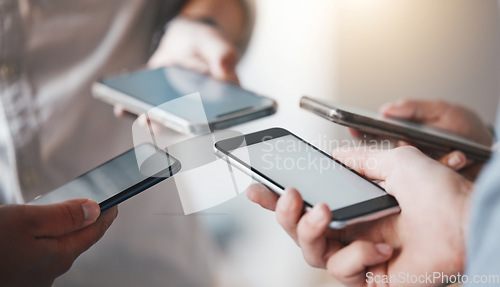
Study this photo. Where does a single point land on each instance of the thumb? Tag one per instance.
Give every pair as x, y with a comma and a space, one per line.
413, 110
221, 57
379, 164
57, 219
373, 164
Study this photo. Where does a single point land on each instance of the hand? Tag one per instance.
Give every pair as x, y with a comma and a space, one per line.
197, 46
449, 117
39, 243
446, 116
427, 236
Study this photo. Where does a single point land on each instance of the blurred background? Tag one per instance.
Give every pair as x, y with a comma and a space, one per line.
367, 52
360, 52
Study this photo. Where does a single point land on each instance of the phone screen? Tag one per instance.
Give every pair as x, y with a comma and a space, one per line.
290, 162
159, 86
121, 174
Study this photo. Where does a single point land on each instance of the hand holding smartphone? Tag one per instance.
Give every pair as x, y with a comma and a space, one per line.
225, 104
279, 159
415, 133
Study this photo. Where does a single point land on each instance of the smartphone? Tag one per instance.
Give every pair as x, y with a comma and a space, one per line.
118, 179
225, 104
417, 134
279, 159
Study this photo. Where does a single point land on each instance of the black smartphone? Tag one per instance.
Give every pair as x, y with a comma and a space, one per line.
279, 159
224, 104
417, 134
118, 179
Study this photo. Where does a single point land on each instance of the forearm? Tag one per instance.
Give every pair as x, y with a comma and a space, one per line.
228, 14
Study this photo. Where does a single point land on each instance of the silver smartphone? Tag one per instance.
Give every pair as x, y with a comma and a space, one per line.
279, 159
118, 179
225, 104
417, 134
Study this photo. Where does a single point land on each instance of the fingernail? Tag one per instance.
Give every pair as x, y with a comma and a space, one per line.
384, 249
91, 211
316, 216
454, 161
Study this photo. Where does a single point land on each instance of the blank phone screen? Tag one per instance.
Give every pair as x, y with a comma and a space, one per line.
111, 178
290, 162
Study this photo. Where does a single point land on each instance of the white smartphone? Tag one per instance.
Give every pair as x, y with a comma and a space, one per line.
420, 135
225, 104
279, 159
118, 179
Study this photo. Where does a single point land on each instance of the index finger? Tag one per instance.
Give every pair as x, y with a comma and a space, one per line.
261, 195
74, 244
317, 244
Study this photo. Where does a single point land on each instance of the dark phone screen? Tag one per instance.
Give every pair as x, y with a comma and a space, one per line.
115, 176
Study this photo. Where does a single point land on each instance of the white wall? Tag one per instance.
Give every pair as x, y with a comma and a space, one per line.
293, 49
366, 52
445, 49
